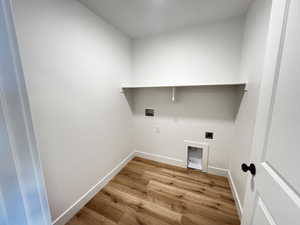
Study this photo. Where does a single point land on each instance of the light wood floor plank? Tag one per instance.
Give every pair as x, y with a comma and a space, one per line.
89, 217
105, 209
190, 186
142, 205
140, 218
179, 205
146, 192
192, 197
180, 169
205, 180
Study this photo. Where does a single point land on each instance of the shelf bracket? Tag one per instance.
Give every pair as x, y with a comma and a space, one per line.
173, 94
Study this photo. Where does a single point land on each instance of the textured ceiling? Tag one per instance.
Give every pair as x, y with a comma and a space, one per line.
138, 18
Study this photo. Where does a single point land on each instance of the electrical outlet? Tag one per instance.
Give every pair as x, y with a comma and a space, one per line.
149, 112
209, 135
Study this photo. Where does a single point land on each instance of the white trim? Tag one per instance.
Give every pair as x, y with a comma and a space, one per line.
176, 85
160, 158
73, 209
23, 148
283, 184
266, 212
177, 162
235, 195
217, 171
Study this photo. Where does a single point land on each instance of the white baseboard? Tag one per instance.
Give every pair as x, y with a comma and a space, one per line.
83, 200
178, 162
160, 158
235, 195
217, 171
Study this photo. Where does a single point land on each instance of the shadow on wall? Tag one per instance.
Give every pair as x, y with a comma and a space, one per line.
207, 103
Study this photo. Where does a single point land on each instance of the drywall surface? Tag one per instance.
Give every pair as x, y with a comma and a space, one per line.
140, 18
74, 64
195, 111
251, 69
209, 53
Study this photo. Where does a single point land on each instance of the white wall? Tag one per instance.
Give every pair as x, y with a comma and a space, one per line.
209, 53
251, 69
196, 110
74, 64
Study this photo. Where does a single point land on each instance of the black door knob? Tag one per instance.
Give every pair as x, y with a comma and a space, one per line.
250, 168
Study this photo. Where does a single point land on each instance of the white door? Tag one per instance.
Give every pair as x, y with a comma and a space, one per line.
273, 194
23, 198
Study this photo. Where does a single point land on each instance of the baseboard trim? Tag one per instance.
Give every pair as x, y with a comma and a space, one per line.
160, 158
235, 195
217, 171
83, 200
178, 162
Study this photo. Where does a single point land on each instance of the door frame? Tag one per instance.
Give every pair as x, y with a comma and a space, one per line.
19, 127
274, 49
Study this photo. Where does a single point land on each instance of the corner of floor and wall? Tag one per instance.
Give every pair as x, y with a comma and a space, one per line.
74, 64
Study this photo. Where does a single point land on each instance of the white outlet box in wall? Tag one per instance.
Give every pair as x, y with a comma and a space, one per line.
205, 152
